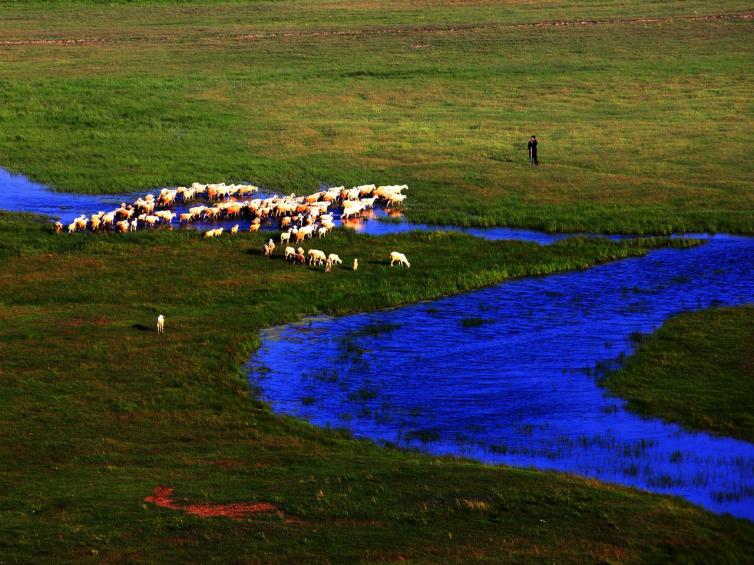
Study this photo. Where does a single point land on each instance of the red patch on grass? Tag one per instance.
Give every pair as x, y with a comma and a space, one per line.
228, 463
162, 496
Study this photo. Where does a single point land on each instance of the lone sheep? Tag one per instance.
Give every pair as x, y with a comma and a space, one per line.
160, 324
399, 258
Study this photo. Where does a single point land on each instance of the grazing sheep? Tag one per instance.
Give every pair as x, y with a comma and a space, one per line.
122, 226
355, 264
58, 227
285, 237
218, 232
322, 232
268, 249
209, 233
160, 324
254, 227
72, 227
316, 257
289, 253
234, 229
399, 258
334, 259
299, 258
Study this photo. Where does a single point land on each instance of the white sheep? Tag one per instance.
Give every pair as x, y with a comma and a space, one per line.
234, 229
399, 258
355, 264
316, 257
334, 259
289, 253
160, 324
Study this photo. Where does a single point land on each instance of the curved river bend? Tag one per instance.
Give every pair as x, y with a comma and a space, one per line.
504, 374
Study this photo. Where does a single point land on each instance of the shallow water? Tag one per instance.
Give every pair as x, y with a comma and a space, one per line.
506, 374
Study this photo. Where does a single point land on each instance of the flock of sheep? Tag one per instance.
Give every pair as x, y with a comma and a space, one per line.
299, 217
143, 212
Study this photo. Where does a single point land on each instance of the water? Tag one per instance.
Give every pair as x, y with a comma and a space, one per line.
19, 194
505, 374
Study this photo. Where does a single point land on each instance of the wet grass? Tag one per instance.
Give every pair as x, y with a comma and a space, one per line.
644, 127
473, 322
697, 370
96, 410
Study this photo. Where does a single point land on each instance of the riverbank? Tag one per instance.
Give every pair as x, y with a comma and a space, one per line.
97, 411
641, 109
697, 370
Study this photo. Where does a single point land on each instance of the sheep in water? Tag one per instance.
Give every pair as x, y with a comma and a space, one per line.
160, 324
399, 258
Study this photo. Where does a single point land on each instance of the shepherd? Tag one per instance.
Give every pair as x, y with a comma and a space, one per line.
533, 151
160, 324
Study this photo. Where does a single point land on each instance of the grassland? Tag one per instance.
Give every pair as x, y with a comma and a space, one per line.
97, 410
697, 370
643, 109
644, 116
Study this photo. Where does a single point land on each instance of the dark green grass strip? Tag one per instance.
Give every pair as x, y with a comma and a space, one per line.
697, 370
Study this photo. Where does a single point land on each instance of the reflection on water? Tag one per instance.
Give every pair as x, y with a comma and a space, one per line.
506, 374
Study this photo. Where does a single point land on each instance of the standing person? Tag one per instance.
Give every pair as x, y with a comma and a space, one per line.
533, 150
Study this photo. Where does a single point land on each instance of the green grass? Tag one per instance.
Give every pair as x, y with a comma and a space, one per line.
96, 410
644, 127
697, 370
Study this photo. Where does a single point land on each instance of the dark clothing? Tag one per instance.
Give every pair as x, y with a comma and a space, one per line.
533, 152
